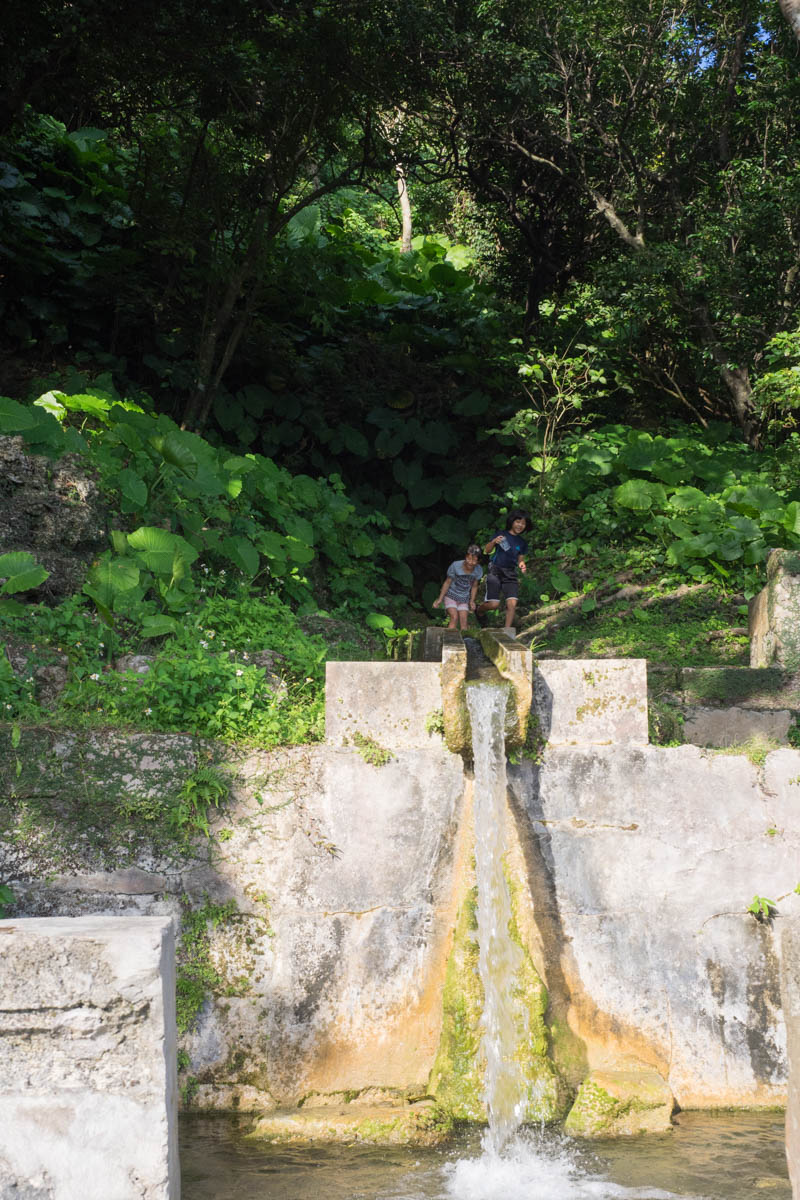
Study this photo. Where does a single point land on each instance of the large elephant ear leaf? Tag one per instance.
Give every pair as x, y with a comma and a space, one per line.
640, 495
20, 571
158, 547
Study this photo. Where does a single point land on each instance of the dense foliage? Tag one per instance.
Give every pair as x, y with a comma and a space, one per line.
292, 409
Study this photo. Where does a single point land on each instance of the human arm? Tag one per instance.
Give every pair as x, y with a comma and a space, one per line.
472, 596
522, 566
443, 592
490, 545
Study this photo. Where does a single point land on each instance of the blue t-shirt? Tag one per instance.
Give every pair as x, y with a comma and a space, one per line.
507, 559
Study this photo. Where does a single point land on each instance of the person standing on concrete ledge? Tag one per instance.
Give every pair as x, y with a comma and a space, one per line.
460, 588
508, 546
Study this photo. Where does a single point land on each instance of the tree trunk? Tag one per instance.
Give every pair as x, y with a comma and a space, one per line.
791, 11
405, 208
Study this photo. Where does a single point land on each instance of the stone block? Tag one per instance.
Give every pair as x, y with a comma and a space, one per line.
790, 1000
619, 1103
388, 703
723, 727
457, 732
87, 1036
774, 616
432, 644
514, 662
591, 701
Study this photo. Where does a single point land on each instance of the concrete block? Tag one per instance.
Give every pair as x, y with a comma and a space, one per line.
457, 732
591, 701
386, 702
790, 1000
514, 662
88, 1094
734, 726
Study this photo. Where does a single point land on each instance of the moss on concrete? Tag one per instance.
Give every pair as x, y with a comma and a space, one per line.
614, 1103
514, 663
456, 1079
421, 1124
455, 716
547, 1093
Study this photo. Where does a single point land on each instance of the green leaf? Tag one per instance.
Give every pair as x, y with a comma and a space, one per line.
402, 573
174, 450
298, 551
159, 625
157, 548
243, 553
425, 493
559, 580
21, 572
379, 621
15, 418
640, 495
133, 488
111, 577
449, 529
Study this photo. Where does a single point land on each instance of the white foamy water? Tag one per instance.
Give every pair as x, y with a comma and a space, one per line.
499, 957
528, 1170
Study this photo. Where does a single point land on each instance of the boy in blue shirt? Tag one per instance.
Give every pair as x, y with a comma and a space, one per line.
501, 580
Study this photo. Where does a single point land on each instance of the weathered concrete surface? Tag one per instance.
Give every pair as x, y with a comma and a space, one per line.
722, 727
514, 662
790, 996
342, 880
774, 616
641, 866
591, 701
387, 702
88, 1104
457, 735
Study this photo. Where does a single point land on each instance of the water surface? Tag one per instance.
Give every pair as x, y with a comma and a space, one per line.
705, 1157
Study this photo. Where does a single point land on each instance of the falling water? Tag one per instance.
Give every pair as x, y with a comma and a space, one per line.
500, 958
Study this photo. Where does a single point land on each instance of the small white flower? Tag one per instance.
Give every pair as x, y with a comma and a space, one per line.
124, 689
94, 677
101, 645
147, 712
204, 645
222, 574
245, 657
240, 672
77, 644
9, 706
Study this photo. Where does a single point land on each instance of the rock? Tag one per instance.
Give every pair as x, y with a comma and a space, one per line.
421, 1124
50, 677
52, 510
774, 617
619, 1103
138, 664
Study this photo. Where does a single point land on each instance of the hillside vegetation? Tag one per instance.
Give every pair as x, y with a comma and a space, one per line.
314, 296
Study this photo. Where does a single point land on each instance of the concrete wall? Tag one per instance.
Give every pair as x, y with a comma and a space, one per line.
790, 995
346, 877
642, 862
88, 1052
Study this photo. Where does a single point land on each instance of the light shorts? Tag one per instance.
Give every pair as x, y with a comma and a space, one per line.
450, 603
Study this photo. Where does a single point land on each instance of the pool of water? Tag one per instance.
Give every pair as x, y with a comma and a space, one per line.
705, 1157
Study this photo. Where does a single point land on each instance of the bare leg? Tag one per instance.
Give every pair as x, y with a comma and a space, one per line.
511, 608
452, 614
462, 619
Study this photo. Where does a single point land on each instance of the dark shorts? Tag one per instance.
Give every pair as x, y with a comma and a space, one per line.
501, 582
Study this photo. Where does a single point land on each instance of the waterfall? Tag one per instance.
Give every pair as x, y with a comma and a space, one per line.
500, 957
